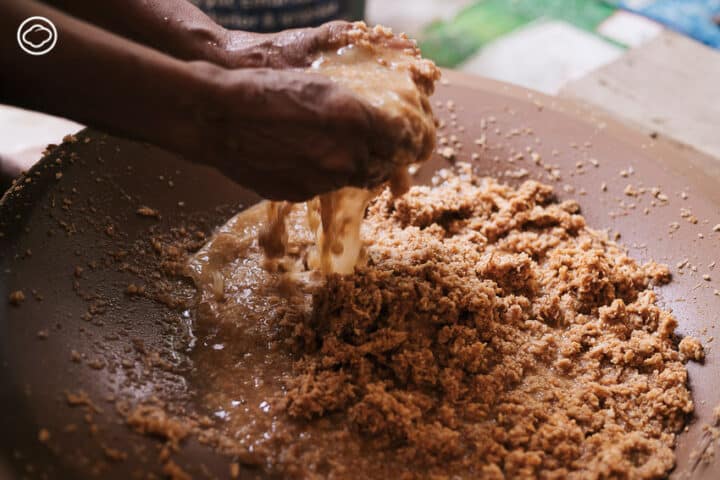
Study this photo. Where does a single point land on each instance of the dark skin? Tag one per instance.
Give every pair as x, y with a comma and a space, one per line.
179, 29
163, 72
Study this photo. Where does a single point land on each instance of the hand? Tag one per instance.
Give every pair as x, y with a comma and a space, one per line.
287, 49
295, 48
290, 135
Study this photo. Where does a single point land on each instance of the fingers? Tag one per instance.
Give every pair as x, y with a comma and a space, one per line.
299, 47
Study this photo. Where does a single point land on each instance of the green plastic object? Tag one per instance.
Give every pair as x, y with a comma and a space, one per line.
450, 43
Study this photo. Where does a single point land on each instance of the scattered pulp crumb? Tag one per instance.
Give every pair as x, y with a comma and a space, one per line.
148, 212
448, 153
154, 420
17, 297
691, 349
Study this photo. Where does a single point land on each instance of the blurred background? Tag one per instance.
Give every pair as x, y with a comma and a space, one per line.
652, 63
542, 44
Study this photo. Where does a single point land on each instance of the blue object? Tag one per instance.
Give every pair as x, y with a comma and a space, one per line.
695, 18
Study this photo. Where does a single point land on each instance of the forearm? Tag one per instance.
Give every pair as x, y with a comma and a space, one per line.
175, 27
102, 80
181, 30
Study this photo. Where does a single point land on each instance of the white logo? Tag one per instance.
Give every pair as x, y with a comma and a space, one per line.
37, 35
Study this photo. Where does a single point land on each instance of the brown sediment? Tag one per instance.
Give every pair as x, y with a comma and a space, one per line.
490, 333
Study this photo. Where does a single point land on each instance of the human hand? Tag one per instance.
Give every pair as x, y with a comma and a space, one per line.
286, 49
295, 48
291, 135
